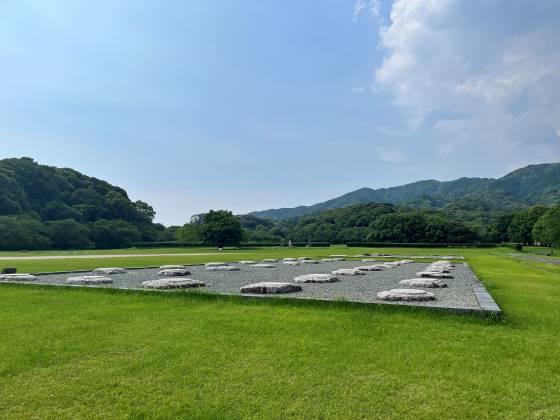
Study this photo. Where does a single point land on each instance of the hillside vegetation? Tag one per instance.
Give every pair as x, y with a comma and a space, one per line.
43, 207
522, 188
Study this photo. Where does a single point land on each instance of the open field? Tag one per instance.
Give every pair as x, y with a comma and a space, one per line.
71, 353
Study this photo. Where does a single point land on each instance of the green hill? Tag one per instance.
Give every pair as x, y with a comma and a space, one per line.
45, 207
534, 184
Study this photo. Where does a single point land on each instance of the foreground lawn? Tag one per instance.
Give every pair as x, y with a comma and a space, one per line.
70, 353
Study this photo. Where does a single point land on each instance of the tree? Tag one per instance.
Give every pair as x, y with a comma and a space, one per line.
57, 210
114, 234
221, 228
17, 233
69, 234
521, 227
145, 211
547, 228
189, 233
399, 227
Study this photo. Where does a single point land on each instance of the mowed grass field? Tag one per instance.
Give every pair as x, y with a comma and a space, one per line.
89, 353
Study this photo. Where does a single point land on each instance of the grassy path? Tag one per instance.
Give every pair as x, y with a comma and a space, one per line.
114, 354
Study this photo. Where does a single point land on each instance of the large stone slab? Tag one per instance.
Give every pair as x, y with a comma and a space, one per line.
316, 278
170, 267
109, 270
215, 264
245, 262
289, 259
405, 295
223, 268
348, 272
174, 272
433, 275
261, 265
89, 280
423, 282
310, 261
173, 283
18, 277
370, 268
270, 287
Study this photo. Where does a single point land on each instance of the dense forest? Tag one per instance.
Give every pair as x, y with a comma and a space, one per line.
43, 207
465, 221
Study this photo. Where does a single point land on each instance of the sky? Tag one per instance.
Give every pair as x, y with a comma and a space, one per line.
253, 104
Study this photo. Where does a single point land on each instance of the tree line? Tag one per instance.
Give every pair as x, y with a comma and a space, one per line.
380, 223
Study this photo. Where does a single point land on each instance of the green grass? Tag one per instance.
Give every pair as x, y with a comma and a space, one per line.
71, 353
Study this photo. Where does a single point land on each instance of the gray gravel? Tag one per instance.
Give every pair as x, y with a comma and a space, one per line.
458, 295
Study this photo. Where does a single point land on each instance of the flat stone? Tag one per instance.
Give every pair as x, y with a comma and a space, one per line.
215, 264
405, 295
370, 268
310, 261
222, 268
109, 270
290, 262
348, 272
433, 275
339, 259
327, 259
18, 277
173, 283
269, 260
316, 278
174, 272
289, 259
171, 267
263, 265
423, 282
392, 263
245, 262
270, 287
89, 280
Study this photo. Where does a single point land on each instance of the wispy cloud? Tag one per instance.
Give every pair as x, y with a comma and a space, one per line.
372, 6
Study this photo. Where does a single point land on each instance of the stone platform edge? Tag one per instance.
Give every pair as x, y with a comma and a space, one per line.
485, 300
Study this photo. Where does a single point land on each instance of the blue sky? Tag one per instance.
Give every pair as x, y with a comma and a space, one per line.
248, 105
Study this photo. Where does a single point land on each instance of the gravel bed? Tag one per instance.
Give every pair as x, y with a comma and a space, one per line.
458, 295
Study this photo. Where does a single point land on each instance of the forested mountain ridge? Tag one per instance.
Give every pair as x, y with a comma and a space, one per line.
531, 185
62, 193
44, 207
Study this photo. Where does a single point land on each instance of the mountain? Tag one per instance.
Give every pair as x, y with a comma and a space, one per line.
533, 184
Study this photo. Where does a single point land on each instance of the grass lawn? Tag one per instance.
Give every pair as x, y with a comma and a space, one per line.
70, 353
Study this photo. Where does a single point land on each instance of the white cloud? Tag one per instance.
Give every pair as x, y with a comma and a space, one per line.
481, 75
372, 6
